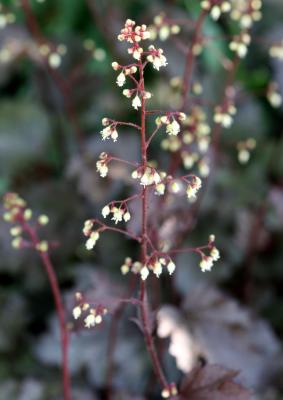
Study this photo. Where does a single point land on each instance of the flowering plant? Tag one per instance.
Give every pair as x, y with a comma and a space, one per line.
25, 235
155, 255
185, 133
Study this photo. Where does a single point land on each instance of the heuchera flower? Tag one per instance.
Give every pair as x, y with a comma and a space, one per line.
121, 79
173, 128
136, 103
156, 57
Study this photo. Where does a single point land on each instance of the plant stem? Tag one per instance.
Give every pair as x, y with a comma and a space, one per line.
64, 335
61, 316
113, 336
112, 340
144, 240
186, 82
61, 83
188, 71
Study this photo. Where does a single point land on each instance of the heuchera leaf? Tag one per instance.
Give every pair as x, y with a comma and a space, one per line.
213, 382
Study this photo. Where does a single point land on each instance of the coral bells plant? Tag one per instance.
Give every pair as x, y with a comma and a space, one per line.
154, 258
25, 236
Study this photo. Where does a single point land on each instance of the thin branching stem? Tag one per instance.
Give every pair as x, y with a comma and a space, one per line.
61, 83
64, 334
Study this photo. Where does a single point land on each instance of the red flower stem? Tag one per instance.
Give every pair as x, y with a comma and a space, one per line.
112, 340
127, 200
122, 161
113, 335
152, 135
63, 329
148, 338
133, 79
113, 229
144, 240
190, 249
59, 309
129, 124
188, 71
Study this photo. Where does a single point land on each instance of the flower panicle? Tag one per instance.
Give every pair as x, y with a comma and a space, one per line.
20, 216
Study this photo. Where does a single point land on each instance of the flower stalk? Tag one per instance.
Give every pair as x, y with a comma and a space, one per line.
25, 236
153, 257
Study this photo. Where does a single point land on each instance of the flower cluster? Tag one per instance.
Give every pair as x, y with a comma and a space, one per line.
246, 12
134, 35
15, 207
154, 264
194, 141
224, 115
129, 265
110, 130
148, 176
125, 71
93, 315
169, 120
101, 165
6, 18
193, 183
207, 261
119, 213
139, 94
240, 44
19, 214
163, 28
92, 235
156, 57
216, 7
159, 180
